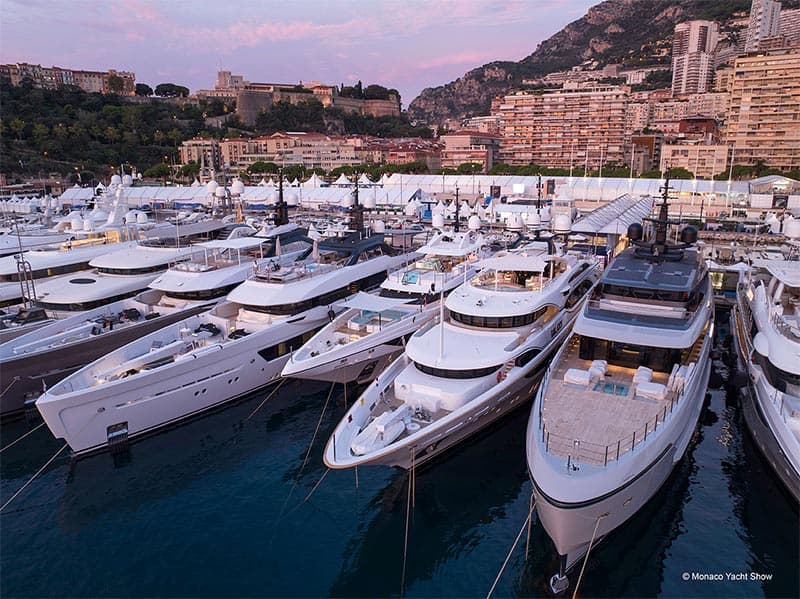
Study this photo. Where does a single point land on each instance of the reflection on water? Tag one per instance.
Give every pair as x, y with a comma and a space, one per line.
221, 507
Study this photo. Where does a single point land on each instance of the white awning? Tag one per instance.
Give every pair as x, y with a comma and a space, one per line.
368, 301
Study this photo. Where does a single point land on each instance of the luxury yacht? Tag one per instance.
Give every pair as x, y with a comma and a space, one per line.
481, 359
40, 358
766, 327
237, 347
126, 272
372, 331
620, 401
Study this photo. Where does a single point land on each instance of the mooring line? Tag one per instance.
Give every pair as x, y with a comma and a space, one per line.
22, 437
586, 559
14, 496
266, 398
511, 551
408, 518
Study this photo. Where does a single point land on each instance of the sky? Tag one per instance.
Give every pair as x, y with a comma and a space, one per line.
403, 44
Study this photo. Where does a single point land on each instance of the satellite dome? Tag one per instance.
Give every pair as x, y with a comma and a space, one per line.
514, 223
220, 192
237, 187
562, 223
379, 226
116, 180
437, 220
635, 231
534, 220
791, 228
474, 223
127, 181
141, 218
211, 187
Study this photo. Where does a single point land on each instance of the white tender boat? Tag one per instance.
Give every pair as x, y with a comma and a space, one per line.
208, 359
372, 331
483, 359
621, 399
766, 328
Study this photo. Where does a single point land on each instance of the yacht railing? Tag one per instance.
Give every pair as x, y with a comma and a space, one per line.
784, 328
596, 454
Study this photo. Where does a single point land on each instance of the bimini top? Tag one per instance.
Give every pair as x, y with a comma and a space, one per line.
786, 271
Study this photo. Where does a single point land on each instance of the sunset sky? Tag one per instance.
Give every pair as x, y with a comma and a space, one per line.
405, 44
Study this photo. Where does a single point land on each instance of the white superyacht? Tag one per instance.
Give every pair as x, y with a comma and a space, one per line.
766, 328
211, 358
621, 399
372, 331
42, 357
480, 360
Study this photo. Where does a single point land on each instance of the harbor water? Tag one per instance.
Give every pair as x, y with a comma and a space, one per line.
229, 506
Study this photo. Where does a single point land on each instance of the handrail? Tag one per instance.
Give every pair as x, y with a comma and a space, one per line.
578, 450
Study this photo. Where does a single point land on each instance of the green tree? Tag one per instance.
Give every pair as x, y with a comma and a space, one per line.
17, 126
469, 168
116, 84
260, 167
158, 170
142, 89
170, 90
190, 170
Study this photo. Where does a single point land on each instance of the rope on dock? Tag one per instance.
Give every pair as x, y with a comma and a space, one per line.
22, 437
586, 559
275, 390
38, 472
510, 551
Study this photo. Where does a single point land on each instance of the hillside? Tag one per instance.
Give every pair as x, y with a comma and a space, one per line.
629, 32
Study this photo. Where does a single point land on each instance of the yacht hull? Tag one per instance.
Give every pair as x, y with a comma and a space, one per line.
360, 367
31, 374
202, 380
753, 396
571, 524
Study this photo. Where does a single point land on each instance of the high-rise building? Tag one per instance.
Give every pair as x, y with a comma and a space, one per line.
582, 124
693, 47
765, 16
764, 109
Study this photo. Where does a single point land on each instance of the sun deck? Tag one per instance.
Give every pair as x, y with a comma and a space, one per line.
595, 418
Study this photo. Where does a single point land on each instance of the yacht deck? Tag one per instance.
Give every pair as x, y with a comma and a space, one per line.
599, 419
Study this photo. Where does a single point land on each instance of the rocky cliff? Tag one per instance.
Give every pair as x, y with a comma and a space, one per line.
629, 32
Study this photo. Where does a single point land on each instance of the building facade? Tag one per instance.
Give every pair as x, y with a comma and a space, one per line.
703, 160
102, 82
693, 45
765, 17
765, 109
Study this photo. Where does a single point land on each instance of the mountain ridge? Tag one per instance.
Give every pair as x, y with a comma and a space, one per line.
631, 32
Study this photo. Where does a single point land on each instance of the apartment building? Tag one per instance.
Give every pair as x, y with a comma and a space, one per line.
703, 160
693, 45
765, 109
765, 16
55, 77
206, 152
470, 146
580, 124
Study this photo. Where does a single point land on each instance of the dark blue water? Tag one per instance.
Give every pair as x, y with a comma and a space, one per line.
217, 507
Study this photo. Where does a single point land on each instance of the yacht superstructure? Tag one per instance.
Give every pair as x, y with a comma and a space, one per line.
372, 331
766, 328
481, 359
621, 399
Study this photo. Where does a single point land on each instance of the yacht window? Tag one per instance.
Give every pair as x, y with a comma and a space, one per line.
786, 382
46, 272
202, 294
629, 355
504, 322
81, 306
442, 373
576, 294
132, 271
